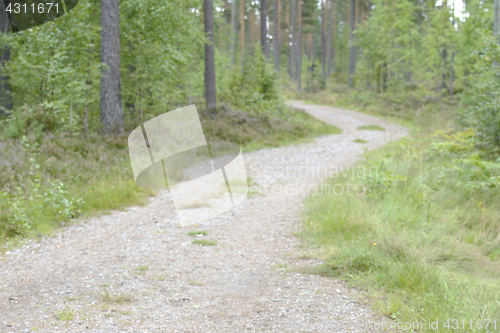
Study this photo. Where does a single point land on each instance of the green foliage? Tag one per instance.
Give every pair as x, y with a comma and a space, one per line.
371, 128
24, 205
481, 102
55, 68
44, 184
255, 87
161, 58
205, 242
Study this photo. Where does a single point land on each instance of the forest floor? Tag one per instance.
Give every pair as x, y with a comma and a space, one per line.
137, 271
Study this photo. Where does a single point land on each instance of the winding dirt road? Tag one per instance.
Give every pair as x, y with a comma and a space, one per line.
137, 271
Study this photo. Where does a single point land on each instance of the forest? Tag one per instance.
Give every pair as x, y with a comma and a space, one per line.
408, 50
73, 88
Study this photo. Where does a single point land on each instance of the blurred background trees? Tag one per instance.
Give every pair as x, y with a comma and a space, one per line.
405, 49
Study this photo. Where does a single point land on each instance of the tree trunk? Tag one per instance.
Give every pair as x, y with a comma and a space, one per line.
308, 46
233, 29
313, 47
210, 92
220, 30
227, 22
276, 35
293, 38
263, 27
323, 39
5, 89
496, 21
242, 33
452, 73
445, 65
352, 48
334, 33
299, 48
251, 23
329, 39
111, 99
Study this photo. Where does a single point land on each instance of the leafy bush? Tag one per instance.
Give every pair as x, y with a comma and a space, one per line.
481, 102
24, 204
255, 87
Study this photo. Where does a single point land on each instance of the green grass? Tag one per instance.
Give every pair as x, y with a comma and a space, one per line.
112, 298
204, 242
142, 268
424, 237
371, 128
359, 141
65, 315
196, 233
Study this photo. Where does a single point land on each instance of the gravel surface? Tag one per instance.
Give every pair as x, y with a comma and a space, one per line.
137, 271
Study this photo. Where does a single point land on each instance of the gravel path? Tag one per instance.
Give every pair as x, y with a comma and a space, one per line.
137, 271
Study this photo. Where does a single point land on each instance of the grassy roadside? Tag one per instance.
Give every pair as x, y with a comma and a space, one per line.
423, 238
50, 182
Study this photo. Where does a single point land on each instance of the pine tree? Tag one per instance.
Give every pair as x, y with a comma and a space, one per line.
276, 35
5, 89
323, 39
233, 29
263, 27
111, 100
299, 47
294, 38
210, 90
329, 38
352, 47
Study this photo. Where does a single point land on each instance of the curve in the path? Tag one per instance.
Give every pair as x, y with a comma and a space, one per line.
136, 271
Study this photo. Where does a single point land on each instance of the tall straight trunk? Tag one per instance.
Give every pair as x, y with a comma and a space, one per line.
307, 47
242, 32
445, 65
233, 29
323, 38
111, 99
313, 66
263, 27
329, 39
276, 35
299, 48
293, 39
352, 48
210, 92
496, 20
452, 73
285, 26
334, 33
220, 30
251, 23
228, 25
5, 89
